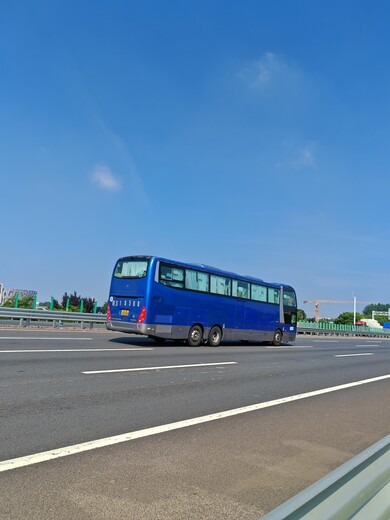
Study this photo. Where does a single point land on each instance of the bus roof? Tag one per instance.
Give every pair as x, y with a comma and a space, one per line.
210, 269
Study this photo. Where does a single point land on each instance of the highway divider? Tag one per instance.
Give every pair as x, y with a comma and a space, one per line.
29, 317
306, 327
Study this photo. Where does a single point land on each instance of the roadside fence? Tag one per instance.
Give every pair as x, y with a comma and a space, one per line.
28, 317
306, 327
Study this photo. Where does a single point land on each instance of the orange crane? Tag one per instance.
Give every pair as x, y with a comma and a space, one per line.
317, 305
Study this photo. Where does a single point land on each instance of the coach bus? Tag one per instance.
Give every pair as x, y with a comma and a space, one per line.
194, 303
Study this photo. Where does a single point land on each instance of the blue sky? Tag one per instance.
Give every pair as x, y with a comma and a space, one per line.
252, 136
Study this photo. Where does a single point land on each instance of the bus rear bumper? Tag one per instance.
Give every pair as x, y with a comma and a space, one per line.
123, 326
150, 329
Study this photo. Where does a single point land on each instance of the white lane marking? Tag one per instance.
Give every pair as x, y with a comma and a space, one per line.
354, 355
72, 350
157, 368
293, 347
22, 338
116, 439
368, 345
326, 341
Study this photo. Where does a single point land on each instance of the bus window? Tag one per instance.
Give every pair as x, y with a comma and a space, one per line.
240, 289
259, 293
220, 285
172, 276
289, 299
273, 295
197, 280
130, 268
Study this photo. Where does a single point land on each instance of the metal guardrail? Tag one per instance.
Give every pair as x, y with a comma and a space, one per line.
359, 490
341, 330
26, 315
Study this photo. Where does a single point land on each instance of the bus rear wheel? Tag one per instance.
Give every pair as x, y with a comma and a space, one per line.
215, 336
195, 336
278, 336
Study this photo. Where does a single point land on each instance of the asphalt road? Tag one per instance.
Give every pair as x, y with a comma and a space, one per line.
61, 391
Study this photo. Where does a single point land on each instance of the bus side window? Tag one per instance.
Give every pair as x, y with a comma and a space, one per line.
197, 280
273, 295
220, 285
172, 276
240, 289
259, 293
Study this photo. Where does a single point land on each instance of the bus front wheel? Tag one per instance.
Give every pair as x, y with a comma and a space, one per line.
195, 336
278, 336
215, 336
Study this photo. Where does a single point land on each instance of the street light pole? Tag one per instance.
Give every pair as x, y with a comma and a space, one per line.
354, 310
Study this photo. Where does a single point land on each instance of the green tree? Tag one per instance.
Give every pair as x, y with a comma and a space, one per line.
75, 301
88, 304
24, 303
56, 305
103, 308
367, 311
9, 302
325, 320
381, 319
346, 318
301, 315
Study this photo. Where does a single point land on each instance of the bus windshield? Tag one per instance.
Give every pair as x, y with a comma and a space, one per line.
289, 299
131, 267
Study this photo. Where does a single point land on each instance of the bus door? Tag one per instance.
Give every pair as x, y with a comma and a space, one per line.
289, 307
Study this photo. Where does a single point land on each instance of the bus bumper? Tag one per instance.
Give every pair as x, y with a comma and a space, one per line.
130, 328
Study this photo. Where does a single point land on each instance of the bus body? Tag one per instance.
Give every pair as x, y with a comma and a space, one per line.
166, 299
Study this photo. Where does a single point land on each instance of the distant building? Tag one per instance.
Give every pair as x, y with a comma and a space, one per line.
5, 294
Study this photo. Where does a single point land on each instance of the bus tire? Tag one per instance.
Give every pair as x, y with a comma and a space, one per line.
278, 336
215, 336
195, 336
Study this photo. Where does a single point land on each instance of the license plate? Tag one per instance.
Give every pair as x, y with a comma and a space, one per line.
124, 312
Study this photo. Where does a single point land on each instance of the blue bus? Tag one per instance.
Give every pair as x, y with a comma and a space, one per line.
194, 303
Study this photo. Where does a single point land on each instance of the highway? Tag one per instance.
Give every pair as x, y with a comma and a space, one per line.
97, 425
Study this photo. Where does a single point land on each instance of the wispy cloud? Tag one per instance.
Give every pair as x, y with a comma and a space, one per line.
132, 175
269, 70
305, 157
104, 178
298, 157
